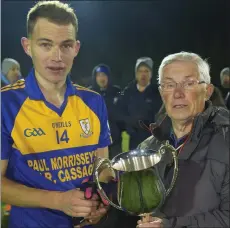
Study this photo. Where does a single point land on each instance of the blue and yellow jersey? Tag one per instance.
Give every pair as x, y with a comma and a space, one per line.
48, 147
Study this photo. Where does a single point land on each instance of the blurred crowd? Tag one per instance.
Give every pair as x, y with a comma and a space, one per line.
133, 108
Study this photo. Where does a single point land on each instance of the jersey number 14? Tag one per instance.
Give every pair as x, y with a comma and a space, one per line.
62, 137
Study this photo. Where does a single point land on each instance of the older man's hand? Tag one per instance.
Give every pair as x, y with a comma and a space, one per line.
95, 216
151, 222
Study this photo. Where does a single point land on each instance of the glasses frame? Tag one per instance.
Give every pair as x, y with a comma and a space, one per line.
181, 85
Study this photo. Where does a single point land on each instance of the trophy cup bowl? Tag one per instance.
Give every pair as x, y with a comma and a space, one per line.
137, 165
135, 160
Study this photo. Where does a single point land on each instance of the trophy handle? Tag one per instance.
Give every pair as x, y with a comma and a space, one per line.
175, 159
102, 164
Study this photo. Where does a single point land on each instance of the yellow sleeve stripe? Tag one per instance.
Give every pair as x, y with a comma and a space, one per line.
17, 85
85, 89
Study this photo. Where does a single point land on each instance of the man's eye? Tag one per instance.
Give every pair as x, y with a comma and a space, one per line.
67, 46
169, 85
189, 83
46, 45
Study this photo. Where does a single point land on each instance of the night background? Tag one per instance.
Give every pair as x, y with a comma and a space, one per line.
118, 32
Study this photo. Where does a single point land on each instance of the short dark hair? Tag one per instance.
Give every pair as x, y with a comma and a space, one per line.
54, 11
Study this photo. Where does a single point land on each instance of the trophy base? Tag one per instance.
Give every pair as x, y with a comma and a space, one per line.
146, 217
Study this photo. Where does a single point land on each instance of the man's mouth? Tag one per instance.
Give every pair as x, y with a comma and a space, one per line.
179, 106
56, 69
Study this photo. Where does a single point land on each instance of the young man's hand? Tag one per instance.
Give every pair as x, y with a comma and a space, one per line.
95, 216
74, 204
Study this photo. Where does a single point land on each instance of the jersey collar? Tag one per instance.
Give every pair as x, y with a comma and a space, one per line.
35, 93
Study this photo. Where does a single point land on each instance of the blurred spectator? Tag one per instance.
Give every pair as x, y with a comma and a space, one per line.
225, 82
101, 83
217, 98
10, 72
139, 101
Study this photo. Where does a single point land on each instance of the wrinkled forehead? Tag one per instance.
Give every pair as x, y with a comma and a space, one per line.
180, 71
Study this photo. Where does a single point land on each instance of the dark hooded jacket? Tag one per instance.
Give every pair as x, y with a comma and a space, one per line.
110, 95
135, 106
200, 197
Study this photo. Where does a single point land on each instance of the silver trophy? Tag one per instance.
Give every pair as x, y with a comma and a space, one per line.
135, 196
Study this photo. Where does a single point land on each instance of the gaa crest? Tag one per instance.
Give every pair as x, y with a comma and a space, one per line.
86, 128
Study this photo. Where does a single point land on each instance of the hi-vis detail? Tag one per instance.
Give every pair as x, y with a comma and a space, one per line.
28, 132
85, 126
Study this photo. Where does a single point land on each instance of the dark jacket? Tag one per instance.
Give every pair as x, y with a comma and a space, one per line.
135, 106
227, 100
200, 197
110, 95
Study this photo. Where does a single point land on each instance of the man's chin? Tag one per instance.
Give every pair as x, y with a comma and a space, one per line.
143, 84
56, 78
181, 117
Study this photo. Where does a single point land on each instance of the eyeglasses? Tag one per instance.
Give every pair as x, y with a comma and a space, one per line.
187, 85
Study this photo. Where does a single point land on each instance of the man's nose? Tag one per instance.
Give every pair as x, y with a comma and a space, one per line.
56, 54
178, 92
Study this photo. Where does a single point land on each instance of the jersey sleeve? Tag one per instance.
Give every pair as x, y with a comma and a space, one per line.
105, 134
6, 141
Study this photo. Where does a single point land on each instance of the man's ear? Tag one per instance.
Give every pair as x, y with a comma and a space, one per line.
160, 91
26, 45
209, 91
77, 47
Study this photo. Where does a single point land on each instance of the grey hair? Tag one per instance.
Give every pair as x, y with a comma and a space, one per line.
202, 65
224, 72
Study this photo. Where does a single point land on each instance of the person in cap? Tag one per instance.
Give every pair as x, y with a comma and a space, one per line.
102, 83
225, 82
139, 101
10, 72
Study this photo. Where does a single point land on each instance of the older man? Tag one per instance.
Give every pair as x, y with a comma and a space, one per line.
200, 133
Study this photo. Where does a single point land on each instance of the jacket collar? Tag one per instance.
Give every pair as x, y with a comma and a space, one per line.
162, 128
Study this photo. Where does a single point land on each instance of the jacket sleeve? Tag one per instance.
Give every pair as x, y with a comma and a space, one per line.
213, 219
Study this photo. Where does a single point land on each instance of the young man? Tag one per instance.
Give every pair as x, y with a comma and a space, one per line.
200, 133
52, 130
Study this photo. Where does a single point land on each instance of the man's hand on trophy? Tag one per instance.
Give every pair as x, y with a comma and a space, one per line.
151, 222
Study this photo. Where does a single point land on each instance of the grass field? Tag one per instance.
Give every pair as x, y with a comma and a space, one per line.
125, 141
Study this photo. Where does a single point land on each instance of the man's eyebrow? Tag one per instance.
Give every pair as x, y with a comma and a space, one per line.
68, 41
168, 78
186, 76
189, 76
44, 39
